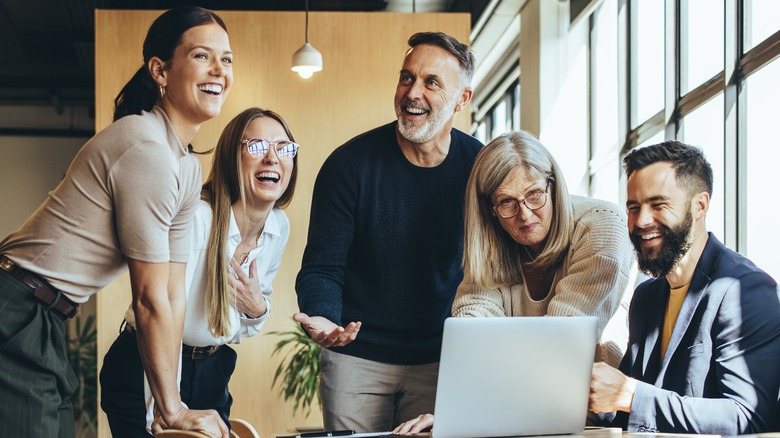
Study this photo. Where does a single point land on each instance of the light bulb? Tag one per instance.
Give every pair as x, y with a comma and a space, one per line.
306, 61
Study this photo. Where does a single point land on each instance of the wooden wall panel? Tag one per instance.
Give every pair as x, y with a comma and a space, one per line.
362, 55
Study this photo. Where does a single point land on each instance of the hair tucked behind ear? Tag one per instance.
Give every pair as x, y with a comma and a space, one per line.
141, 92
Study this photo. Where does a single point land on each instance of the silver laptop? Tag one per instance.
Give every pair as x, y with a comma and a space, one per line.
514, 376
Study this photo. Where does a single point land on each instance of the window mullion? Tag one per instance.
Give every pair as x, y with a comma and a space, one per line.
734, 168
672, 67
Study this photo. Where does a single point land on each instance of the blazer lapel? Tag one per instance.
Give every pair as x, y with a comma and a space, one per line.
696, 290
656, 308
692, 299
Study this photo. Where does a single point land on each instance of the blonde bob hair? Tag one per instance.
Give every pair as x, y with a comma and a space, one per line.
223, 188
491, 258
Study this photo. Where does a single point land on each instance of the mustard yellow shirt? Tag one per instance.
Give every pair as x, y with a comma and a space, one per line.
676, 297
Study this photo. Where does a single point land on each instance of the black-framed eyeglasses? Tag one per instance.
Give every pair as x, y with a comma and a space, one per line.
508, 208
258, 147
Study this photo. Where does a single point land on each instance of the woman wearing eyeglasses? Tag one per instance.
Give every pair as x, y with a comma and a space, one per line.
531, 249
239, 235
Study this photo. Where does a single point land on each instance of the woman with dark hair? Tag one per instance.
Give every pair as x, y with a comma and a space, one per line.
238, 237
126, 202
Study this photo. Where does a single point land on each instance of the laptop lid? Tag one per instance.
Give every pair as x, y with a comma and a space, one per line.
514, 376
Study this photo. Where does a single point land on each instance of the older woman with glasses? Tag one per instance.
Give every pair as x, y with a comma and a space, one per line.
531, 249
239, 234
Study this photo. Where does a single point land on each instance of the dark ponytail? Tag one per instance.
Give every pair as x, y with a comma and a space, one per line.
141, 92
138, 94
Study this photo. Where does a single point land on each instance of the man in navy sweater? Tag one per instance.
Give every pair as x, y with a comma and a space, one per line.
383, 257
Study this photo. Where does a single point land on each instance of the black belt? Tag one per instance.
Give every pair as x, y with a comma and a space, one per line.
193, 353
196, 353
53, 298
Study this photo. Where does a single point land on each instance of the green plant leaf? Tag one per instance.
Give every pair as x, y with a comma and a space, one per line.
82, 354
298, 371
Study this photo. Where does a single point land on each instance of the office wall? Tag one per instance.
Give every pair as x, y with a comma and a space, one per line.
362, 55
30, 167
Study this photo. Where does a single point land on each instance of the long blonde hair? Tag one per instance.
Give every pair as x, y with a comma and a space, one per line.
223, 188
491, 257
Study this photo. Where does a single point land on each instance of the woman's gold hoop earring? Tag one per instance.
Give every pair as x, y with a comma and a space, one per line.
162, 92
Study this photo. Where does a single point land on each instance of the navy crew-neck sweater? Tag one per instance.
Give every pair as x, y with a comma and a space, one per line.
385, 245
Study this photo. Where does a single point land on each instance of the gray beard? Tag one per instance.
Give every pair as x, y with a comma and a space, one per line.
416, 135
430, 128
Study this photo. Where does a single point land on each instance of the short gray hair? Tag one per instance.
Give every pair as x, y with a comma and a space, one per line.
449, 43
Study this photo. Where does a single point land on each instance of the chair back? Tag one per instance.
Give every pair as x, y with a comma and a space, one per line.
243, 429
173, 433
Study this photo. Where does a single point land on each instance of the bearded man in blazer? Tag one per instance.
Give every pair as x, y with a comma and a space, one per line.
704, 334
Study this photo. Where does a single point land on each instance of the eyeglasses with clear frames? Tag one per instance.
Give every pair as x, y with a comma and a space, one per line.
258, 147
508, 208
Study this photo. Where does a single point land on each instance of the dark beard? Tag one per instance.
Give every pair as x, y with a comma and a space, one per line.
676, 245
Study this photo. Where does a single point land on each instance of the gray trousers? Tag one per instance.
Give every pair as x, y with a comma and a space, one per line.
370, 396
36, 380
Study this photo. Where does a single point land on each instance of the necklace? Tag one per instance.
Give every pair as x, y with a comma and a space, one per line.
533, 259
245, 255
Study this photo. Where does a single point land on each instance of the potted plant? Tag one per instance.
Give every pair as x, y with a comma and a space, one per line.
82, 354
298, 372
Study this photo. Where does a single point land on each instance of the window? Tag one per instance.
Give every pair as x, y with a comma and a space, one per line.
706, 72
760, 21
718, 95
701, 41
648, 55
704, 128
605, 164
763, 155
499, 117
503, 116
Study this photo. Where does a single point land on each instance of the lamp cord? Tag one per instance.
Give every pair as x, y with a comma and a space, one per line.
307, 21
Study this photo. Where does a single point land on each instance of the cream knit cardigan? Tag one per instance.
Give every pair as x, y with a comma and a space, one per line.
596, 278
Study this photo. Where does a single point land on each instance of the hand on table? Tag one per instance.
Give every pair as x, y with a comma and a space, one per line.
326, 333
415, 425
610, 390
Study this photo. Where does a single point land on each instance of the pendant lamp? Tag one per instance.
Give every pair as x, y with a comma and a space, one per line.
307, 59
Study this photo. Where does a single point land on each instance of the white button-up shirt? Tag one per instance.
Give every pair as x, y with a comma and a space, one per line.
267, 256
